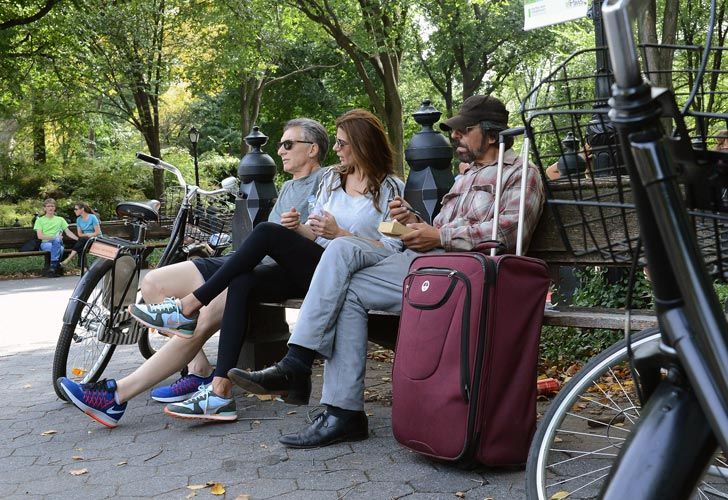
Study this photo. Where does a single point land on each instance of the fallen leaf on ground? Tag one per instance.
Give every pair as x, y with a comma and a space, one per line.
460, 494
559, 495
78, 472
197, 486
264, 397
27, 386
292, 412
242, 497
123, 462
49, 433
76, 457
217, 489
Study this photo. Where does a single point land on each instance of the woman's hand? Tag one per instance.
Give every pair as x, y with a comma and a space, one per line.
325, 226
400, 211
291, 219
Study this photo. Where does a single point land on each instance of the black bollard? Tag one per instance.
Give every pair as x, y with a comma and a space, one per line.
257, 194
429, 155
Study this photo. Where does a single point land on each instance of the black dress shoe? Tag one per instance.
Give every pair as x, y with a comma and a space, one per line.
293, 387
328, 429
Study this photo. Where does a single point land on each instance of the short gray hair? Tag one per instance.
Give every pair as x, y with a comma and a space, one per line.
312, 131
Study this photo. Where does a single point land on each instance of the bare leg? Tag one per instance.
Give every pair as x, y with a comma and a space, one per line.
174, 281
222, 387
69, 258
175, 354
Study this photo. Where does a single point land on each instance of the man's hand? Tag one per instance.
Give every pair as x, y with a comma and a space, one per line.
400, 211
423, 238
325, 226
291, 219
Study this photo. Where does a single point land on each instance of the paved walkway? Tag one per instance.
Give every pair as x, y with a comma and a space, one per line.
48, 449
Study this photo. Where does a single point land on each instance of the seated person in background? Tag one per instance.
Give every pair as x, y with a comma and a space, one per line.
355, 276
571, 165
49, 229
87, 226
722, 141
354, 199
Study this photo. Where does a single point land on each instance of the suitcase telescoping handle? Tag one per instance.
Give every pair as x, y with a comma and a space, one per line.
511, 132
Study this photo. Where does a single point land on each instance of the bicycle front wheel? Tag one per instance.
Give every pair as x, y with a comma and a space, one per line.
80, 355
583, 431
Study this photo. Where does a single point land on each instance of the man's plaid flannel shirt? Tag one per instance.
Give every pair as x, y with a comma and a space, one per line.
466, 217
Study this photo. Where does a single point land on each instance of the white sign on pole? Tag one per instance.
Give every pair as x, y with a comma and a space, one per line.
538, 13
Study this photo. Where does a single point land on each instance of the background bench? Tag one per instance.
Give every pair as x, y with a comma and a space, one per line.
13, 238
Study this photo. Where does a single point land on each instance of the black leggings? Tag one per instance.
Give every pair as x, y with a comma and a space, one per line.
248, 281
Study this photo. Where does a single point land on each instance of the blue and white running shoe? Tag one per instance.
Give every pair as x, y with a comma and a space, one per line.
185, 387
95, 400
166, 317
204, 405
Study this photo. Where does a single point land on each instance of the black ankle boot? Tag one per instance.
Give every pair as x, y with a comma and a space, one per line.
293, 387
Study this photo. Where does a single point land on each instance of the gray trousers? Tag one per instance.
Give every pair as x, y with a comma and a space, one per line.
352, 277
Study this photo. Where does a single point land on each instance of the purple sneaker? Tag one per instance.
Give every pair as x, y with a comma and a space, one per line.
184, 388
96, 400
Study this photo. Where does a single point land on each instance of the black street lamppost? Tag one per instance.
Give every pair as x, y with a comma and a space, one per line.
194, 135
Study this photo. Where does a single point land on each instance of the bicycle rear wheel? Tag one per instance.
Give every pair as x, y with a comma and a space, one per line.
582, 432
80, 355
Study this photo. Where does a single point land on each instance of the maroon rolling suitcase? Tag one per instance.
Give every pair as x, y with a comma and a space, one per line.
464, 375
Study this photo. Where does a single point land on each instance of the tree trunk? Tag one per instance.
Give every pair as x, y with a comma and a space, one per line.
39, 141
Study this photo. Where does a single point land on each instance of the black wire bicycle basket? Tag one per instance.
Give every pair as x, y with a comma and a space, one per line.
591, 201
209, 221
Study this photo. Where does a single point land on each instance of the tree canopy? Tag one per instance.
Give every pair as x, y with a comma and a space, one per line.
85, 83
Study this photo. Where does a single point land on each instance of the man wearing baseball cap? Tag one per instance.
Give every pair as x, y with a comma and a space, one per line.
355, 275
722, 141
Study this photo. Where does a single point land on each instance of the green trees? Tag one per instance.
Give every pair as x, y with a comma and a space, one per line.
85, 83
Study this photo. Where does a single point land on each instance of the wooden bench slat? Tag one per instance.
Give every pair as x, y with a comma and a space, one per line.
579, 317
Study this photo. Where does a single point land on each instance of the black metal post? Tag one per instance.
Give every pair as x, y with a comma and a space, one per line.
257, 194
429, 155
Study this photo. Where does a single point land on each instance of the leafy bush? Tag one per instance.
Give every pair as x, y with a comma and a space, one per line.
600, 288
564, 346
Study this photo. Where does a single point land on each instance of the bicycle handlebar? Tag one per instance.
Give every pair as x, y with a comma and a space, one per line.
157, 163
622, 50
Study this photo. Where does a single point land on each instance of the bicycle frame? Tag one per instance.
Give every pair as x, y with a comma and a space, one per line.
674, 440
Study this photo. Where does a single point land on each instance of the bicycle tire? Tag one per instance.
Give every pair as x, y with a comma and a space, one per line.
580, 434
81, 329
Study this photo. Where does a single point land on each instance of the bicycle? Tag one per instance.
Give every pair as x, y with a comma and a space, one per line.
96, 319
648, 417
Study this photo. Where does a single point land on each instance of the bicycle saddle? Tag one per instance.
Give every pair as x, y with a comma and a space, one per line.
145, 210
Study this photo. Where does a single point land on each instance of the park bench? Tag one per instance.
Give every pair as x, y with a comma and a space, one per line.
268, 331
12, 238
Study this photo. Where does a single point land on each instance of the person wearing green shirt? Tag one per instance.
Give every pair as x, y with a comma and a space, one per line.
49, 229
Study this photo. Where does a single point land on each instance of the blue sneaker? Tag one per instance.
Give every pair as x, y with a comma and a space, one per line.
204, 405
184, 388
166, 317
95, 400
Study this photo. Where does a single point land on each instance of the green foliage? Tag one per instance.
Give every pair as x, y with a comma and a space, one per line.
599, 289
562, 346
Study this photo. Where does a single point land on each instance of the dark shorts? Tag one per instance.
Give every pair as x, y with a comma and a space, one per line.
210, 265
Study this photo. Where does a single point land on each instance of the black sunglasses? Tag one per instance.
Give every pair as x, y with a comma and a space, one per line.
287, 145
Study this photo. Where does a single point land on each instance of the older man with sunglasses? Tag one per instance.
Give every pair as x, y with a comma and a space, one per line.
354, 277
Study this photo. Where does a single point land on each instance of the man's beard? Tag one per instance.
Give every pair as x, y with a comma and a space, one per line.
469, 155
